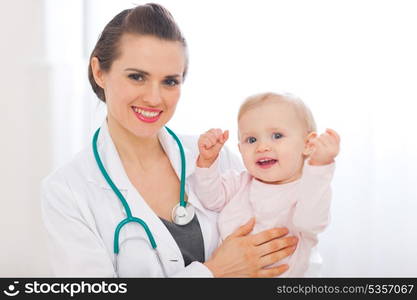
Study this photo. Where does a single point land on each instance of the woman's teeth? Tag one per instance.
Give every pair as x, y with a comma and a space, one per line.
148, 114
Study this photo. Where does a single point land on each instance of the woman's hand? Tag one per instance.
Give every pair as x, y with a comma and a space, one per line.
242, 255
209, 144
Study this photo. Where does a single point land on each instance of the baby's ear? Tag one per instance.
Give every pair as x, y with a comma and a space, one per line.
309, 145
238, 145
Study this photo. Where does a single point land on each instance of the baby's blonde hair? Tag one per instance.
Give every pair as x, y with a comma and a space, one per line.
302, 111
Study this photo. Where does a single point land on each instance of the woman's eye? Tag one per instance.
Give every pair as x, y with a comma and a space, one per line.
171, 82
136, 77
251, 140
276, 135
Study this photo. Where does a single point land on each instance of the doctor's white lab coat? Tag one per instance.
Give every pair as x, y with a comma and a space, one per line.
80, 212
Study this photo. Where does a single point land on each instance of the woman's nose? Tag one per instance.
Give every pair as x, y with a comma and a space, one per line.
152, 94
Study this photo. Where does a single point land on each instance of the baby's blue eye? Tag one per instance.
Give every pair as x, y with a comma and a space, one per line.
251, 140
276, 135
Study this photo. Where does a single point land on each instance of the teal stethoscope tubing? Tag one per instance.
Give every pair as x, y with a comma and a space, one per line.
122, 199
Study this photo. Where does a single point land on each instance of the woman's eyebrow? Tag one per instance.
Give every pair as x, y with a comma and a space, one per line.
147, 74
137, 70
175, 76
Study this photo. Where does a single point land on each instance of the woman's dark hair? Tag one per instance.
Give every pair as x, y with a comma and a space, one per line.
149, 19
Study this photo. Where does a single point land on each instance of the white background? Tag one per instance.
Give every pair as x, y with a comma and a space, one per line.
353, 62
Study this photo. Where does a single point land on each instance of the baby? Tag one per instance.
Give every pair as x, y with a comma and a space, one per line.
288, 176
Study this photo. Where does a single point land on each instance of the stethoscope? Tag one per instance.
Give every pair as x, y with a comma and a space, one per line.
182, 213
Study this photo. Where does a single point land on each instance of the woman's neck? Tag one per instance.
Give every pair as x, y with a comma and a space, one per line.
133, 150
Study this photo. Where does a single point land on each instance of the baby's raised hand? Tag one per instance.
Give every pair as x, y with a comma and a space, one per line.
325, 148
209, 144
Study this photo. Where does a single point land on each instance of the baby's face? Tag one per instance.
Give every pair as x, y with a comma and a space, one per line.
272, 140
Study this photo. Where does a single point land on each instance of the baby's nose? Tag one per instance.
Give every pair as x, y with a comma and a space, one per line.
263, 147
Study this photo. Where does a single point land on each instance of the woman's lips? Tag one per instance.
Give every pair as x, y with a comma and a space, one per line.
148, 115
266, 162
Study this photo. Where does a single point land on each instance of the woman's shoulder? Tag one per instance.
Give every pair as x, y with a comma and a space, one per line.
77, 169
61, 189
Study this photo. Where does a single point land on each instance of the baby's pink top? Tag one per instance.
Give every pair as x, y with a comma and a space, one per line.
303, 206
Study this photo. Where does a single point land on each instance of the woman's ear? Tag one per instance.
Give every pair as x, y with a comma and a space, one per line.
97, 73
309, 146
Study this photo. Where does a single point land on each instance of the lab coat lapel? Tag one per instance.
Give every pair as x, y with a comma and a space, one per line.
111, 160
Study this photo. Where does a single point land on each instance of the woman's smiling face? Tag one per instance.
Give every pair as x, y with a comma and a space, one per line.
143, 85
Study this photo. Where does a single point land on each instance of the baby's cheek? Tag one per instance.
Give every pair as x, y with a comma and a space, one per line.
246, 157
295, 160
246, 162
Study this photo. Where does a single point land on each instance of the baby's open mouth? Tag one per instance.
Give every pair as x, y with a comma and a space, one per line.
266, 161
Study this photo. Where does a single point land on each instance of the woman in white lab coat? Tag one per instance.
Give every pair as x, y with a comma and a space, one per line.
137, 68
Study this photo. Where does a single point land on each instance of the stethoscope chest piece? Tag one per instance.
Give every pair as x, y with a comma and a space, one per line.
183, 215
